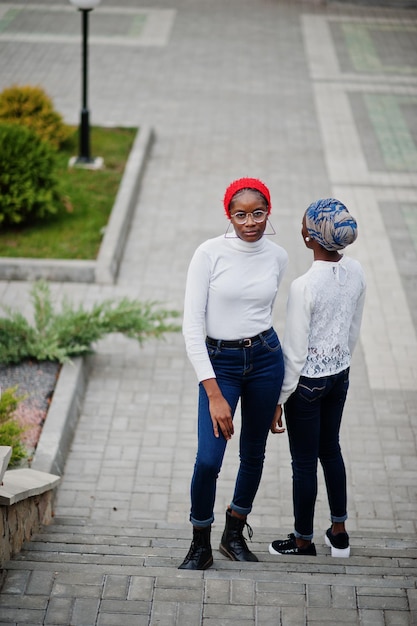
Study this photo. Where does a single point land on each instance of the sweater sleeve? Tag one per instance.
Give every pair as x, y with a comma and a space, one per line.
295, 344
195, 305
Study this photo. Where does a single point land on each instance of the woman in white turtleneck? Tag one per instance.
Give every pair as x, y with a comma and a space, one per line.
232, 284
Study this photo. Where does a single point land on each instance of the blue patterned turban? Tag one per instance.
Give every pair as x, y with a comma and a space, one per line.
329, 222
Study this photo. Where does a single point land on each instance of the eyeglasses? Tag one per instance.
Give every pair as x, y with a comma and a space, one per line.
258, 216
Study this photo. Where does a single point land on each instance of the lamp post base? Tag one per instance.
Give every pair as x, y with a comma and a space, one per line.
92, 163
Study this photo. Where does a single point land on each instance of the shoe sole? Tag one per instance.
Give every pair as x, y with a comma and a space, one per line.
341, 553
275, 552
272, 551
230, 556
223, 551
206, 565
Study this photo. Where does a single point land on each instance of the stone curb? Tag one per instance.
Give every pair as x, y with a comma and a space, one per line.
61, 420
112, 247
104, 270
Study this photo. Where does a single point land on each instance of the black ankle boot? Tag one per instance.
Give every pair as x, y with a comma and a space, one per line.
199, 555
233, 544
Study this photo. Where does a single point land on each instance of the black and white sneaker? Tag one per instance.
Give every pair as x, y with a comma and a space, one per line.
339, 543
289, 546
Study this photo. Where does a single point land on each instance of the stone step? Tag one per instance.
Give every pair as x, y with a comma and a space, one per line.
69, 544
78, 572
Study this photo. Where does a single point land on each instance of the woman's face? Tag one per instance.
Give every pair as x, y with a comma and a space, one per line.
243, 205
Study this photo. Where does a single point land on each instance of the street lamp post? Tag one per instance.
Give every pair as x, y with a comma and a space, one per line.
84, 158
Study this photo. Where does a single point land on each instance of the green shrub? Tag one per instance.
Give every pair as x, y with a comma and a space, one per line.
10, 431
58, 336
28, 182
31, 107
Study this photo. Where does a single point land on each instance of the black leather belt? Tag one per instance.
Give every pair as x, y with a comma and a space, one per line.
237, 343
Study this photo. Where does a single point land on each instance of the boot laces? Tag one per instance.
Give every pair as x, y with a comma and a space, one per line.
250, 531
197, 544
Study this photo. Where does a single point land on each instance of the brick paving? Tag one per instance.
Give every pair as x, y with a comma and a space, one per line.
317, 100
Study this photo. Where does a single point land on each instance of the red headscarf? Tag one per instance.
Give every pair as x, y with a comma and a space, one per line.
245, 183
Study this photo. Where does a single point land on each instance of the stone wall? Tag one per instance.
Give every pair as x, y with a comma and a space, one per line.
18, 522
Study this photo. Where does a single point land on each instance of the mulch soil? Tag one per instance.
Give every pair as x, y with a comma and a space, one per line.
36, 380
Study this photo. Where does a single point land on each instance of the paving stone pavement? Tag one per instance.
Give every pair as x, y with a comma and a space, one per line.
317, 99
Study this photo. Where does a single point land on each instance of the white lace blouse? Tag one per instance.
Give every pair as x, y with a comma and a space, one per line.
324, 314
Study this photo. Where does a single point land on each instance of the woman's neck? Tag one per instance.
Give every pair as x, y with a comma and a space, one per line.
321, 254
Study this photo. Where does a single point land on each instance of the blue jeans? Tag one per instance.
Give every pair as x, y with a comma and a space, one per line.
313, 414
255, 376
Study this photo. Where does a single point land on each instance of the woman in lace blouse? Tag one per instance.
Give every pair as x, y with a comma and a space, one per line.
324, 314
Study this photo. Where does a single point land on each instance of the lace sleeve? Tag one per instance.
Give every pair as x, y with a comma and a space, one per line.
297, 327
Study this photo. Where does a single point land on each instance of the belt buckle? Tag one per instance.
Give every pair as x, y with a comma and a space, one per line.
247, 343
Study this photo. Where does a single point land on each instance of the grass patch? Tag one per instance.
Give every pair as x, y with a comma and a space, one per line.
88, 197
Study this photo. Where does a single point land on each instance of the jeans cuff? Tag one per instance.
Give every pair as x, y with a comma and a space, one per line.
306, 537
241, 510
202, 523
341, 518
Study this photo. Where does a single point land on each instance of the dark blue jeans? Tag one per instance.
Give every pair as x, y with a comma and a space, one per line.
313, 414
255, 376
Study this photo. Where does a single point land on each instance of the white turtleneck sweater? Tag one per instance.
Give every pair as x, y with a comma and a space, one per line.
230, 293
324, 314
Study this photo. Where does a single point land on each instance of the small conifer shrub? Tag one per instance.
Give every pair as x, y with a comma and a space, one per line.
72, 331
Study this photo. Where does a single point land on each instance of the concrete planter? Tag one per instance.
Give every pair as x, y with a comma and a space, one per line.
27, 495
5, 454
105, 268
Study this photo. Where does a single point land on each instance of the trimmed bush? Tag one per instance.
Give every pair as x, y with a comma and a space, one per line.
28, 183
32, 107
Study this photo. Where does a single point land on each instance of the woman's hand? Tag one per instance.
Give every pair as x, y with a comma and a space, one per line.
276, 425
221, 416
220, 412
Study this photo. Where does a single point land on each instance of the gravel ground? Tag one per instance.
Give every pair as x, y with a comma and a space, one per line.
37, 381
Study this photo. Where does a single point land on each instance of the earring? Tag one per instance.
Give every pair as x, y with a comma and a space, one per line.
231, 235
272, 229
307, 239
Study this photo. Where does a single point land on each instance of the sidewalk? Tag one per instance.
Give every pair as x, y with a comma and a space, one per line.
317, 100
